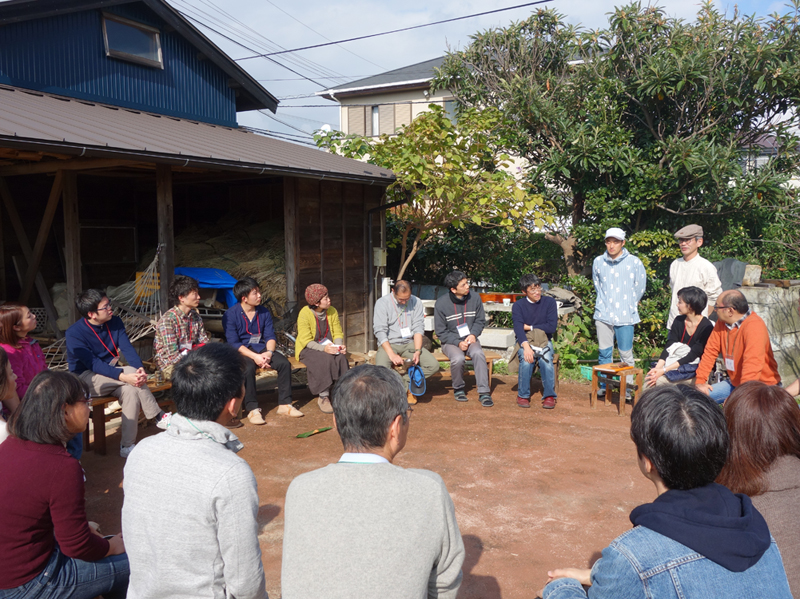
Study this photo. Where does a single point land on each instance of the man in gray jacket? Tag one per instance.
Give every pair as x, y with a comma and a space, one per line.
364, 527
458, 319
189, 515
399, 326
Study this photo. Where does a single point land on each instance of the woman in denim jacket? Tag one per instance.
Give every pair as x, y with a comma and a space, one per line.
697, 539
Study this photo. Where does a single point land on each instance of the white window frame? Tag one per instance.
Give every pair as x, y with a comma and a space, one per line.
110, 52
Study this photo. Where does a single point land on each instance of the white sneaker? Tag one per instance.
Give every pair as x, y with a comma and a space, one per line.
163, 422
255, 417
124, 452
289, 410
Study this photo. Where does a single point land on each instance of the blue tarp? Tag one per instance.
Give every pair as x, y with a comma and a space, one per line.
212, 278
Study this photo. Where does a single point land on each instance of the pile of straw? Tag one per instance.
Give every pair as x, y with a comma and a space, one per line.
243, 249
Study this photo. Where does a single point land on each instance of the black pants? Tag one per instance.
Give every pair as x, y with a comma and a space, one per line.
284, 370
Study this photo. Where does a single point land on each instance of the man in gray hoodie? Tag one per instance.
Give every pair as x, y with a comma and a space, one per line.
189, 515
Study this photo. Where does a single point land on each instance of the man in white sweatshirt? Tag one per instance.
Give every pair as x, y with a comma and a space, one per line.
692, 270
189, 515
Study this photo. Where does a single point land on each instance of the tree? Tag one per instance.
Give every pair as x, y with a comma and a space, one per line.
448, 174
643, 124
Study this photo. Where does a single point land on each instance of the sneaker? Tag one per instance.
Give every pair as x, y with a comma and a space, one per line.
289, 410
523, 402
163, 422
411, 398
255, 417
460, 395
124, 452
486, 400
235, 423
324, 404
548, 403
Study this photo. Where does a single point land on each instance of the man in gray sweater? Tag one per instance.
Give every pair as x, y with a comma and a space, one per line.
399, 325
189, 515
363, 527
458, 319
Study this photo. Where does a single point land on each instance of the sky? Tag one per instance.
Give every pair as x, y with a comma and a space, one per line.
243, 28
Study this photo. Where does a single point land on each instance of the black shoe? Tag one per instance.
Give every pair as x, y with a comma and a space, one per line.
486, 400
460, 395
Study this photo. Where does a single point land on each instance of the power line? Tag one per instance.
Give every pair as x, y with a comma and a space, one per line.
363, 37
284, 123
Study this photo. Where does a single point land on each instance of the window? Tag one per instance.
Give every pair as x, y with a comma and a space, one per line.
376, 120
129, 40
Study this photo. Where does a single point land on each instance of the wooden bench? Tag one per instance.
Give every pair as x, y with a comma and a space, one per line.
353, 359
607, 372
99, 417
490, 358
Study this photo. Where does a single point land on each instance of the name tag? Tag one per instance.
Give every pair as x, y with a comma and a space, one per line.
463, 330
405, 332
729, 364
186, 346
114, 361
255, 339
325, 342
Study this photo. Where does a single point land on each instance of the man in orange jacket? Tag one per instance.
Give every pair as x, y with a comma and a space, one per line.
741, 336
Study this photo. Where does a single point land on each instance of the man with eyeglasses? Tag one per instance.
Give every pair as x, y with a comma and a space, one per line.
741, 336
363, 527
692, 270
95, 344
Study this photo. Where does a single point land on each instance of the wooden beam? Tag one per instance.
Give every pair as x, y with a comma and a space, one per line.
166, 234
72, 242
63, 165
3, 287
22, 237
290, 236
41, 239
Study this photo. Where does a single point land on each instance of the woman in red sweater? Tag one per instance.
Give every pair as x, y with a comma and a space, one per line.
47, 549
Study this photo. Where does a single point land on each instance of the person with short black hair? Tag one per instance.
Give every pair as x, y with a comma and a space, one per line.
692, 270
697, 539
95, 344
47, 546
248, 328
370, 528
190, 482
180, 329
741, 336
685, 343
535, 319
459, 319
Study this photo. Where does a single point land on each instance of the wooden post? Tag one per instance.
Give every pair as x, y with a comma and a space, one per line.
72, 242
166, 235
41, 239
289, 234
3, 288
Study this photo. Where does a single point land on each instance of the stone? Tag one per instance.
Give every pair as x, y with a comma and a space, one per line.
752, 275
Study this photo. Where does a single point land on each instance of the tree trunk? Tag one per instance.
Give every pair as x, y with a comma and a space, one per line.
406, 259
567, 245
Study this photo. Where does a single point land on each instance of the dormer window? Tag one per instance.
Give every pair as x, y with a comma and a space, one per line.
132, 41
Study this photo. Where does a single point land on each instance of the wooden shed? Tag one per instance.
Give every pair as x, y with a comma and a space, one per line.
106, 156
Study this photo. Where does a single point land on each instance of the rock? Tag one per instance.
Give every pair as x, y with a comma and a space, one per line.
752, 275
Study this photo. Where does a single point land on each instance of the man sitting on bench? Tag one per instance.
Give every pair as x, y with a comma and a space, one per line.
95, 344
180, 329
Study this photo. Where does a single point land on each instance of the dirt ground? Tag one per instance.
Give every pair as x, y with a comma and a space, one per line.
534, 489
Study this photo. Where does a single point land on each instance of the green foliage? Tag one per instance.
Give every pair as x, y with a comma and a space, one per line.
576, 338
448, 174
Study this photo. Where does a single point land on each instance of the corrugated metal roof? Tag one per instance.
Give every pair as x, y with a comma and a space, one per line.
44, 122
419, 73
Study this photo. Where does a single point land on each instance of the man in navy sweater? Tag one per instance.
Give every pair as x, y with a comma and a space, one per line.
94, 346
459, 319
535, 320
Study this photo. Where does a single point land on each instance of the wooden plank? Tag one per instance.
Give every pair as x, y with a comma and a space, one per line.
72, 242
166, 234
321, 227
290, 239
355, 324
63, 165
3, 287
22, 238
41, 239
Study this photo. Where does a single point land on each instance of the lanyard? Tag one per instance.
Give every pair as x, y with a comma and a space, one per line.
728, 342
319, 328
101, 341
258, 322
692, 336
464, 315
405, 314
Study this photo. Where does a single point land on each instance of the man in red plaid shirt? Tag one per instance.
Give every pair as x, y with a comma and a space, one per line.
180, 329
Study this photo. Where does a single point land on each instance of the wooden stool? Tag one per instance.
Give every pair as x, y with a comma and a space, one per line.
490, 356
622, 370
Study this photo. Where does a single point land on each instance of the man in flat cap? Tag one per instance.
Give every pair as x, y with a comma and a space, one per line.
692, 270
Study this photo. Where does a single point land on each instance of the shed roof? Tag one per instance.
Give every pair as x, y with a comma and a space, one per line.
251, 94
35, 121
413, 76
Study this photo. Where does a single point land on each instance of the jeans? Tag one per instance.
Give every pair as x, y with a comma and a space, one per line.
546, 370
68, 578
605, 339
720, 391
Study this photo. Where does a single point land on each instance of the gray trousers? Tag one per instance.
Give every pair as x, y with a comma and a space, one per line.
130, 398
457, 358
427, 362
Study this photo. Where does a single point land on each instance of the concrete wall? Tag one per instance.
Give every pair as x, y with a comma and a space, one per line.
779, 308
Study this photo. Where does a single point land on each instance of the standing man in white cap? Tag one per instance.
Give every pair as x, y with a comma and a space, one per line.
692, 270
620, 280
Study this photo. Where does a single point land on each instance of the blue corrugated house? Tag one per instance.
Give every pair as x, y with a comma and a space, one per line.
123, 113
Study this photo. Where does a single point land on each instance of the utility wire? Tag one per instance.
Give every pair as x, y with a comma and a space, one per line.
363, 37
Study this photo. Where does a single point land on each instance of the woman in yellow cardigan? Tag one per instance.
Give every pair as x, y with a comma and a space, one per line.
320, 344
